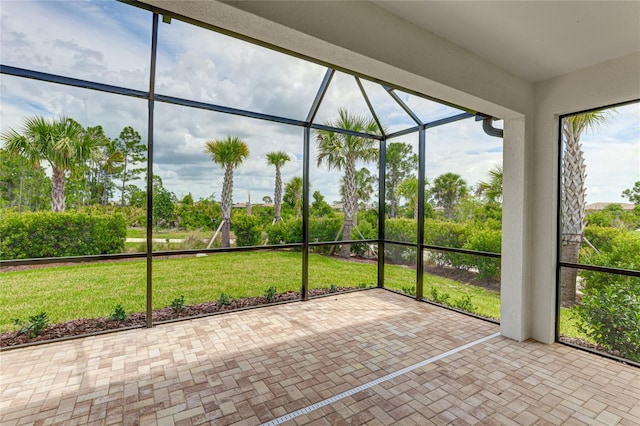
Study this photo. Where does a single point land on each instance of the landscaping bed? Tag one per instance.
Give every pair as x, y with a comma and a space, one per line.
84, 326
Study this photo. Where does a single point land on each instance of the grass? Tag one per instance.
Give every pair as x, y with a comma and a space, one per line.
142, 233
487, 303
93, 290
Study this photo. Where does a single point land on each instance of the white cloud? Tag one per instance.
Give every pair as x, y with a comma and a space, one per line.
109, 42
612, 155
99, 41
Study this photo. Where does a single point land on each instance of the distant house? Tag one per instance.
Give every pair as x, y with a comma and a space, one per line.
601, 206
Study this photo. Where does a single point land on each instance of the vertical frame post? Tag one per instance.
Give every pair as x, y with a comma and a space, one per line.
421, 180
382, 171
559, 227
305, 213
151, 101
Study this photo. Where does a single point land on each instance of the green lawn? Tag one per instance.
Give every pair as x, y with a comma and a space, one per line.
93, 290
142, 233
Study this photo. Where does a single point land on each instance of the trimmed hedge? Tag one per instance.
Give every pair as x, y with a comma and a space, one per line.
488, 240
49, 234
248, 229
471, 236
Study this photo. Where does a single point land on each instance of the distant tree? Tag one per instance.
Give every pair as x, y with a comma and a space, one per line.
447, 190
135, 197
229, 153
62, 143
163, 203
187, 200
277, 159
319, 207
105, 163
341, 151
408, 189
129, 144
401, 163
293, 194
267, 200
633, 194
21, 185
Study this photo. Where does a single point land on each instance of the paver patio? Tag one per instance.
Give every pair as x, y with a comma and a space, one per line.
252, 367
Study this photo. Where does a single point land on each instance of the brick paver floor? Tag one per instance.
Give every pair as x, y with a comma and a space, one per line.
252, 367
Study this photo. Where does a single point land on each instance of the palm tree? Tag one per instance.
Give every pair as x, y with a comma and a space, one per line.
62, 142
491, 190
401, 162
229, 153
574, 196
364, 190
277, 159
408, 189
293, 193
341, 152
447, 191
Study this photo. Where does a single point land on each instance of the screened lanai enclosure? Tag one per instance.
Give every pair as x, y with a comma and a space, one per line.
210, 173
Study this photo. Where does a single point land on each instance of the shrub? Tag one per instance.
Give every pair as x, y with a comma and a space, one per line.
285, 232
464, 304
403, 230
204, 214
224, 299
610, 309
49, 234
270, 293
447, 234
485, 240
178, 304
277, 233
436, 296
324, 228
134, 216
369, 231
410, 290
118, 314
601, 237
248, 229
611, 317
34, 326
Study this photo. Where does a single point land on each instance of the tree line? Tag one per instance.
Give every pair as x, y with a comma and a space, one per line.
86, 166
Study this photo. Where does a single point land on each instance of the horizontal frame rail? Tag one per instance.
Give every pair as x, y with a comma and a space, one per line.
171, 253
605, 269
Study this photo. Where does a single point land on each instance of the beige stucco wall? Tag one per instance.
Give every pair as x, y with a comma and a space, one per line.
361, 37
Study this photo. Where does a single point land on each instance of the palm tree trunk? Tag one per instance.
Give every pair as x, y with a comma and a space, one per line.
227, 191
346, 235
277, 196
568, 276
57, 191
124, 180
349, 201
573, 211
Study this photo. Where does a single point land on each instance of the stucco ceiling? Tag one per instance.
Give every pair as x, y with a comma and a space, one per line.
534, 40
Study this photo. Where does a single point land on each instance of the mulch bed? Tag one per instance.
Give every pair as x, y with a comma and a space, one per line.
85, 326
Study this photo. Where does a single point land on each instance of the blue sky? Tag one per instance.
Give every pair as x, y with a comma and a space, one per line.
109, 42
